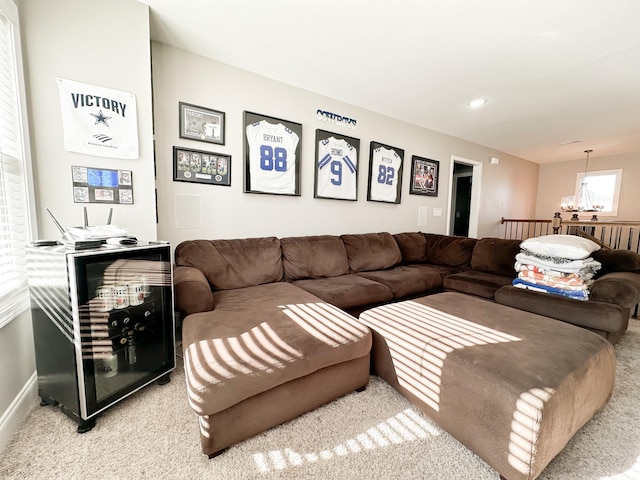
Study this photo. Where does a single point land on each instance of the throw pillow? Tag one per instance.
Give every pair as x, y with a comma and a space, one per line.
564, 246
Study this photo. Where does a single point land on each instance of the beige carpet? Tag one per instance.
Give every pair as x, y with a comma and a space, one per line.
375, 434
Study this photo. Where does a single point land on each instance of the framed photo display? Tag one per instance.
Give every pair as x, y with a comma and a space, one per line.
336, 164
385, 173
272, 155
197, 166
424, 176
201, 124
102, 185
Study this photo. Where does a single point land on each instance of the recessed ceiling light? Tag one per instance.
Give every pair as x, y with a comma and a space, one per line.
477, 103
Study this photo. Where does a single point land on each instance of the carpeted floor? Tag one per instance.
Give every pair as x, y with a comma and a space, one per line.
375, 434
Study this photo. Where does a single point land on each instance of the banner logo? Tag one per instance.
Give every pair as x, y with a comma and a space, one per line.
336, 119
97, 120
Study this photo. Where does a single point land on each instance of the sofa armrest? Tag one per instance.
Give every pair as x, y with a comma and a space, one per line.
602, 316
191, 290
619, 288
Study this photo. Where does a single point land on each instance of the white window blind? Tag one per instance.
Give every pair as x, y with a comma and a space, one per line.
14, 230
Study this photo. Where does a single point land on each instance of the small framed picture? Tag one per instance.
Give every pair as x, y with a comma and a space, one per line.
385, 173
101, 185
197, 166
272, 155
336, 166
201, 124
424, 176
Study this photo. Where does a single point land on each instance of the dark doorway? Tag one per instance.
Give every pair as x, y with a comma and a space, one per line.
461, 208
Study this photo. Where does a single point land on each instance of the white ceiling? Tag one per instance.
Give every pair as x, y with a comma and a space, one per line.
553, 71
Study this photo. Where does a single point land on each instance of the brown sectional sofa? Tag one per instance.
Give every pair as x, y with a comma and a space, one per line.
268, 325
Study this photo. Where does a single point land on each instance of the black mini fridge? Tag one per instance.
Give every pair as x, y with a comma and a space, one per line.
103, 324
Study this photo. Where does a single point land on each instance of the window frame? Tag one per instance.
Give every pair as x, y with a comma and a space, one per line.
616, 193
14, 303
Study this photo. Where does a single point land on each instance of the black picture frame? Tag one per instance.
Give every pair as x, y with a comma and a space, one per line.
271, 173
339, 161
198, 166
102, 185
425, 175
388, 162
201, 124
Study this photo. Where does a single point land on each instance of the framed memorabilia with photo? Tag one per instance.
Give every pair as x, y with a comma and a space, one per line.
102, 185
196, 166
201, 124
336, 174
424, 176
272, 149
385, 173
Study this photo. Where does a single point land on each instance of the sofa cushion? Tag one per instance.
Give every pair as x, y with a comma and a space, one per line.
413, 246
371, 251
596, 316
347, 291
406, 281
476, 283
261, 337
449, 250
441, 270
495, 255
313, 257
229, 264
617, 261
621, 288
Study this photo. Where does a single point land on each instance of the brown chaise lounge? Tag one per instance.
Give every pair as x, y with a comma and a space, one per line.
261, 351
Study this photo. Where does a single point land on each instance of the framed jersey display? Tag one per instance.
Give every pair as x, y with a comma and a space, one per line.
385, 173
197, 166
424, 176
272, 155
336, 166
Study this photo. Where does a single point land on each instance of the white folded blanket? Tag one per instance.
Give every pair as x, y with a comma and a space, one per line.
558, 264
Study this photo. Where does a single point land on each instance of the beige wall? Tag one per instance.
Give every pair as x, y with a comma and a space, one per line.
17, 375
507, 189
84, 41
559, 179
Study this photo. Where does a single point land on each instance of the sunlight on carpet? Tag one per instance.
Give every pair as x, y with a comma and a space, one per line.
406, 426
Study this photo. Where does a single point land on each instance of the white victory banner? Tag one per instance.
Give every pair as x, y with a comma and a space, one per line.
97, 120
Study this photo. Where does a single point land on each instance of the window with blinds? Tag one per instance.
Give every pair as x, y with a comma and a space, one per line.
14, 217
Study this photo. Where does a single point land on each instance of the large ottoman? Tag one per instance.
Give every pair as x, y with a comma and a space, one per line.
512, 386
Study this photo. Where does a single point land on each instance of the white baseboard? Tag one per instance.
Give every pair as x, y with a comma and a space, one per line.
17, 411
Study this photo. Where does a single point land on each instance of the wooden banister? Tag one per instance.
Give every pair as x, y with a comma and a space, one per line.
624, 235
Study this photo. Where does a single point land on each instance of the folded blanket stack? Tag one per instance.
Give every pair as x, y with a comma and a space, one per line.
557, 264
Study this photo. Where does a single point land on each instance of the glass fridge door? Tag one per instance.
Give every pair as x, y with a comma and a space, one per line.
125, 311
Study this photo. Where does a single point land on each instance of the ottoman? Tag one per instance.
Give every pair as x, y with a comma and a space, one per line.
510, 385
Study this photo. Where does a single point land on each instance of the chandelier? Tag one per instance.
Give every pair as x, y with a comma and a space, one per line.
581, 201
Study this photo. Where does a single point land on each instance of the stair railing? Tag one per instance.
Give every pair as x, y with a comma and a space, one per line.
623, 235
